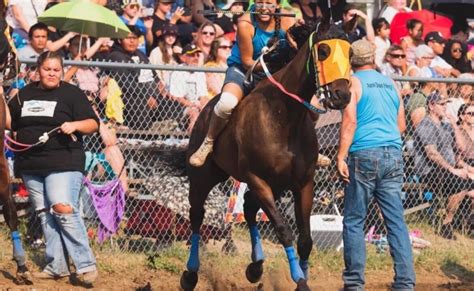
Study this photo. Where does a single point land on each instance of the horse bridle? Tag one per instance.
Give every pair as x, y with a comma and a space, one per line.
322, 91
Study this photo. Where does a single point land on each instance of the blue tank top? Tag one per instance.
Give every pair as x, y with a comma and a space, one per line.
259, 41
377, 112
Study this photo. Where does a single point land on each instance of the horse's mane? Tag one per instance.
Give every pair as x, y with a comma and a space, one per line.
301, 33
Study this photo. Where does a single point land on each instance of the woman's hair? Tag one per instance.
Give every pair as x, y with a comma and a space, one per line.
379, 23
206, 24
461, 112
214, 48
201, 28
164, 52
463, 64
49, 55
411, 23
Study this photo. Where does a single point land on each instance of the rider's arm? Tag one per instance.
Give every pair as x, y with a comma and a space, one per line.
245, 32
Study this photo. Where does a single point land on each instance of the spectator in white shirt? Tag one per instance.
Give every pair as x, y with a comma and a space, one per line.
394, 65
436, 42
189, 88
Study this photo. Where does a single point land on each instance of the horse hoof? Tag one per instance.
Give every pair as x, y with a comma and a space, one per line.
189, 280
24, 278
302, 285
254, 271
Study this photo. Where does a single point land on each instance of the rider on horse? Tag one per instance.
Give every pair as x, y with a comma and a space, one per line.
253, 35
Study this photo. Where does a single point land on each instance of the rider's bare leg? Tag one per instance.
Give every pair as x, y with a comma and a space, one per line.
230, 97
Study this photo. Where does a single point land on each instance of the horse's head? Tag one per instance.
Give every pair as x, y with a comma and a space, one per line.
329, 62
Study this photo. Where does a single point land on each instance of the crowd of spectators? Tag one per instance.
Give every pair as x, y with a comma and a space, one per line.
176, 32
161, 29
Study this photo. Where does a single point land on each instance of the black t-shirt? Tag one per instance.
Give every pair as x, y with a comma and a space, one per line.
158, 25
36, 111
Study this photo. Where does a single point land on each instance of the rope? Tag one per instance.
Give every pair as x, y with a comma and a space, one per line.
41, 140
280, 86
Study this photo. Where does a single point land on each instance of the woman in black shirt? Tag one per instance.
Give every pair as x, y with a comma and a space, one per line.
59, 113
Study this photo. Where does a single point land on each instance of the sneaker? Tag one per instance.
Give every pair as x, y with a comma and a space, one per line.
90, 277
48, 276
199, 157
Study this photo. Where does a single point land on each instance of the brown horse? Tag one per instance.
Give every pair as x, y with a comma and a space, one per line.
270, 144
23, 276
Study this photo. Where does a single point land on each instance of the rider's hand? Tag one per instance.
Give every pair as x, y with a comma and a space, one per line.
343, 170
68, 127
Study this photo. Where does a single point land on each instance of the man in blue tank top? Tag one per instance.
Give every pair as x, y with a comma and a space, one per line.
370, 142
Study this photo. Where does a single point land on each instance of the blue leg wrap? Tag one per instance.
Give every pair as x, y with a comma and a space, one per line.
18, 252
295, 269
257, 250
304, 268
193, 261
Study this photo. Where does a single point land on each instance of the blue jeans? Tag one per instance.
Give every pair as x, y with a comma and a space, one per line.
65, 233
377, 173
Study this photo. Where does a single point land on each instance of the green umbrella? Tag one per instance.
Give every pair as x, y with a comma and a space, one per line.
85, 17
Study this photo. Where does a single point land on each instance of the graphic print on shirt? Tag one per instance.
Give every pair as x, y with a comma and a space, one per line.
38, 108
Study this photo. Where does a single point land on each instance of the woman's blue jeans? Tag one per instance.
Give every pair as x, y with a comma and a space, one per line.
65, 233
376, 173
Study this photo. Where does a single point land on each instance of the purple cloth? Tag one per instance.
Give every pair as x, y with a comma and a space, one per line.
109, 203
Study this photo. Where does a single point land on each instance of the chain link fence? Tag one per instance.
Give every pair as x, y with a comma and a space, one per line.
144, 135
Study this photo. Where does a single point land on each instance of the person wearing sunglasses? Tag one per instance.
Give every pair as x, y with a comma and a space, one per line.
255, 31
205, 36
394, 65
455, 54
132, 16
437, 42
220, 51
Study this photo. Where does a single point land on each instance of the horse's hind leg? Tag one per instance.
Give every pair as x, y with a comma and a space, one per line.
265, 196
303, 206
255, 269
201, 181
23, 276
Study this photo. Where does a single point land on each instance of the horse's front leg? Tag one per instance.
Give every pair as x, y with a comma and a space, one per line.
265, 195
255, 269
303, 207
201, 181
23, 276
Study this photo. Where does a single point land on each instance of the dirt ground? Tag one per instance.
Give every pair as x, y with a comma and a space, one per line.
223, 272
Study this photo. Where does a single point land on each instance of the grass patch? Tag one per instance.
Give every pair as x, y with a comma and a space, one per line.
159, 262
170, 260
